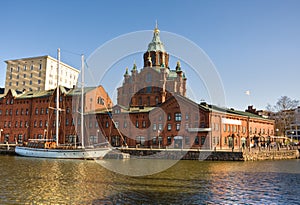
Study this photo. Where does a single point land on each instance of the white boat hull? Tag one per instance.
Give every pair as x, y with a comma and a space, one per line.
93, 153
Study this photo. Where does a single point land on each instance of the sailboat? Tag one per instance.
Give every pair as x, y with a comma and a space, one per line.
43, 148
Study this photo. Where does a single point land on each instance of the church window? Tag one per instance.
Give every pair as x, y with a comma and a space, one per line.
153, 59
148, 89
148, 77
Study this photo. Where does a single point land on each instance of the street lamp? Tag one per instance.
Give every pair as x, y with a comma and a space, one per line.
98, 136
158, 133
1, 130
292, 133
45, 133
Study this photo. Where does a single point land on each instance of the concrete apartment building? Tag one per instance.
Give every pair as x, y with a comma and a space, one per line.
38, 74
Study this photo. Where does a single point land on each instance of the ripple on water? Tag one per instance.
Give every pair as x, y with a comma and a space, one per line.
42, 181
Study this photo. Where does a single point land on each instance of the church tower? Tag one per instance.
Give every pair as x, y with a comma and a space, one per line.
156, 53
155, 82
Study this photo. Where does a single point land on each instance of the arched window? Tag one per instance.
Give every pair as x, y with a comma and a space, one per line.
148, 77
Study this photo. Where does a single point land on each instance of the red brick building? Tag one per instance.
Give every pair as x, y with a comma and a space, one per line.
153, 111
32, 115
182, 123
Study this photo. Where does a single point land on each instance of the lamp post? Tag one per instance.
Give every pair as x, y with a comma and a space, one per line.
1, 130
292, 133
98, 136
158, 133
45, 133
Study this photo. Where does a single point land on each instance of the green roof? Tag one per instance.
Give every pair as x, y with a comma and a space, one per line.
46, 93
232, 111
214, 108
172, 74
77, 91
35, 94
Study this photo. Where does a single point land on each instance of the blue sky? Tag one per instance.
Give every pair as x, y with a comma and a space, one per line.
255, 45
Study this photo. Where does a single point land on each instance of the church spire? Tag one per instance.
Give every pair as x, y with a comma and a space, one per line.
156, 44
156, 30
126, 72
178, 67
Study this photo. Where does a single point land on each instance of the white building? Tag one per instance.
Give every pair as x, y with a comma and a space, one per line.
38, 73
294, 130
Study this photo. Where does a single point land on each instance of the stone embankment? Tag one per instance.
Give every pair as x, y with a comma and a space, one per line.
270, 154
7, 149
218, 155
183, 154
191, 154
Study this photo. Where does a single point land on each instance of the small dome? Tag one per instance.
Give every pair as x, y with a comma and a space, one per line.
156, 44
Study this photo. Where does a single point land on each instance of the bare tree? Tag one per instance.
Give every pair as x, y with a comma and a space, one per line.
283, 113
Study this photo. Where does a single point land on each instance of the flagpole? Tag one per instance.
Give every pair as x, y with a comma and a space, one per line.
248, 93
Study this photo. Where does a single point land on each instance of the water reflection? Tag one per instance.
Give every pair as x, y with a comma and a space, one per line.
137, 167
42, 181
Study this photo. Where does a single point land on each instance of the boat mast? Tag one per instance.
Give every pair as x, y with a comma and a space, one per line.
57, 97
82, 100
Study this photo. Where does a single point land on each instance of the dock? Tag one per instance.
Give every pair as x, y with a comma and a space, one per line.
252, 154
7, 149
115, 154
214, 155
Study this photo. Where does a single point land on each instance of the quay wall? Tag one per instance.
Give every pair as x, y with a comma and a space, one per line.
7, 149
245, 155
256, 154
191, 154
181, 154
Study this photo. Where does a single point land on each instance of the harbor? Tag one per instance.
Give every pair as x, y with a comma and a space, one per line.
214, 155
254, 154
187, 182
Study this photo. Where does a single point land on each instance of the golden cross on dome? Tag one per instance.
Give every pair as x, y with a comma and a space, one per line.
156, 27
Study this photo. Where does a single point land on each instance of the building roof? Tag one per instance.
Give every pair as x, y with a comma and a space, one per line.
35, 94
77, 91
45, 57
215, 108
46, 93
141, 109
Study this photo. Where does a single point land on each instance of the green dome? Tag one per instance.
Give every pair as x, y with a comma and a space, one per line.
156, 44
